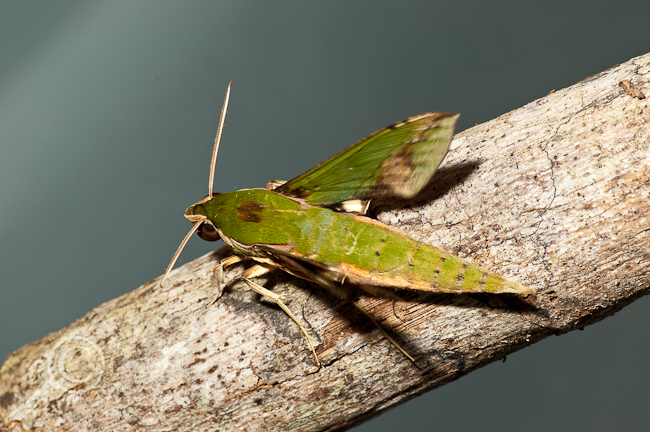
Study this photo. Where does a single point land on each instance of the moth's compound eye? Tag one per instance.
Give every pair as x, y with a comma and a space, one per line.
212, 196
207, 232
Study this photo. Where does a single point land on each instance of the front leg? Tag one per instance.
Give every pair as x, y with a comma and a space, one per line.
217, 273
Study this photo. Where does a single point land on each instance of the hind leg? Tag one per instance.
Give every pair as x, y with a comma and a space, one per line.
260, 270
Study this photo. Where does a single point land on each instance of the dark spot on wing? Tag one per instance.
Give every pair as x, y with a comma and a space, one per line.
461, 275
397, 170
250, 211
436, 274
293, 191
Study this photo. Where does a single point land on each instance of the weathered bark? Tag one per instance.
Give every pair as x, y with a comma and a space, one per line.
554, 195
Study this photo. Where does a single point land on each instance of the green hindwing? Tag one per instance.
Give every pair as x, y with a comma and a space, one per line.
398, 160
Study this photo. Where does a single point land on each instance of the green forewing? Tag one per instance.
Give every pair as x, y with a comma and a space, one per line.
398, 160
356, 248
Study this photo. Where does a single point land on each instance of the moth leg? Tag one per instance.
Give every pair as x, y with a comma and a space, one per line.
386, 335
259, 270
342, 294
305, 273
274, 184
217, 274
356, 206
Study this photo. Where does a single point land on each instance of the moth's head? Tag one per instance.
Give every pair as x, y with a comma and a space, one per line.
197, 214
203, 227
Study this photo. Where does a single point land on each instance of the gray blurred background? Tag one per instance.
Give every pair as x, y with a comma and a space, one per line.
108, 111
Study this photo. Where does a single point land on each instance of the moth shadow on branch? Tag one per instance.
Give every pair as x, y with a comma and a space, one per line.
314, 304
504, 301
404, 314
401, 313
438, 313
445, 179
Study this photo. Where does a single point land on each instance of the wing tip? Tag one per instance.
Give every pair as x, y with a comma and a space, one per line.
510, 286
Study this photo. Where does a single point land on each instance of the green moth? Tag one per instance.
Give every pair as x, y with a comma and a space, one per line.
314, 227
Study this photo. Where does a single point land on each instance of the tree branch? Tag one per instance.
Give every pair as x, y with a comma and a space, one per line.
554, 195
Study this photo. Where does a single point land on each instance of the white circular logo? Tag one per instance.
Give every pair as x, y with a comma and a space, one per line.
75, 360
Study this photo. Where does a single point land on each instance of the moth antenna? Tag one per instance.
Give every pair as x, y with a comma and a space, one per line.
178, 251
218, 138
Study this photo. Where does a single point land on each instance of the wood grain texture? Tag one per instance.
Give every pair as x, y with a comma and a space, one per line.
554, 195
